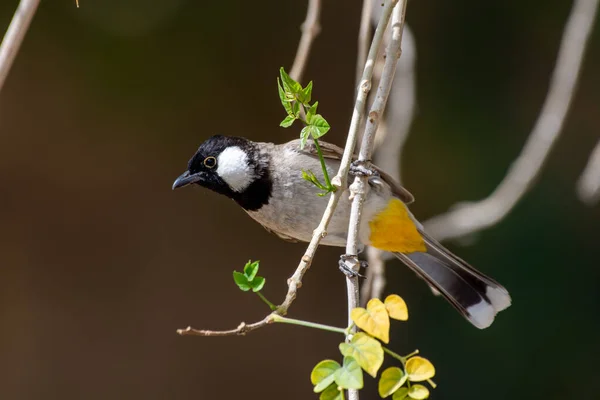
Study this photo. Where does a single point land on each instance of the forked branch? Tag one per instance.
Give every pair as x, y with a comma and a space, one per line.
467, 218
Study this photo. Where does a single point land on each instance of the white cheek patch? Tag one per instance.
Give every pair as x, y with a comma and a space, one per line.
233, 168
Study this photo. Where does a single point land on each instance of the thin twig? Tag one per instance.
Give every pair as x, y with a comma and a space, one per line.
294, 282
241, 330
310, 30
389, 144
14, 36
360, 186
364, 37
588, 186
464, 219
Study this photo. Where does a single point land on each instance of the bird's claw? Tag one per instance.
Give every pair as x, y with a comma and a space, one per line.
349, 270
362, 168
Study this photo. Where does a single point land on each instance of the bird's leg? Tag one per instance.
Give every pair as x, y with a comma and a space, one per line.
358, 168
349, 270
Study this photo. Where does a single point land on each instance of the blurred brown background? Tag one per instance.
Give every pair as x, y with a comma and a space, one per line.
100, 262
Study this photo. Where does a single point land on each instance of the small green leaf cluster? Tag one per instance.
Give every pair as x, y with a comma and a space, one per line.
296, 102
365, 352
248, 279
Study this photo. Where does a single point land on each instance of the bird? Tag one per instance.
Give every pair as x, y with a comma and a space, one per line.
266, 180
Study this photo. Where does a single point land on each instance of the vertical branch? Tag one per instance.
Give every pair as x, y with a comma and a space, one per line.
468, 218
341, 179
389, 144
310, 30
14, 36
360, 186
588, 186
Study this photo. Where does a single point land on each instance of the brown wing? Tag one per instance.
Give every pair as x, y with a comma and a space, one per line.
335, 152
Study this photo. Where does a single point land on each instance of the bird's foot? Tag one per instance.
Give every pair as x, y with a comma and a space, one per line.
349, 270
363, 168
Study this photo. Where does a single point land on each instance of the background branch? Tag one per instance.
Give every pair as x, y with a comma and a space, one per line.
14, 36
467, 218
588, 186
310, 30
364, 37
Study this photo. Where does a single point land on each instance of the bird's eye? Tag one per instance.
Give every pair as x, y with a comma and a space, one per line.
210, 162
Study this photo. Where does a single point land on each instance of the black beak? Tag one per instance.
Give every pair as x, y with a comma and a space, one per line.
186, 179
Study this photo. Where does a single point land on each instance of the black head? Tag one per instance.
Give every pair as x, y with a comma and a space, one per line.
231, 166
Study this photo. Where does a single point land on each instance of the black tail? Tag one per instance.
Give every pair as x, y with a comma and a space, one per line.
473, 294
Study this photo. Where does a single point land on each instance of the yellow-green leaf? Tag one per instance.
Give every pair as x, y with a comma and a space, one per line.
350, 375
366, 351
418, 392
331, 393
391, 379
419, 369
374, 320
323, 374
400, 394
396, 307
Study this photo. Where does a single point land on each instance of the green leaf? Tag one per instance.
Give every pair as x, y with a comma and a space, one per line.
307, 176
320, 126
350, 375
304, 136
418, 392
374, 320
296, 109
323, 374
305, 94
391, 380
241, 280
332, 393
419, 369
366, 351
257, 283
289, 85
400, 394
311, 112
250, 269
311, 177
288, 121
284, 101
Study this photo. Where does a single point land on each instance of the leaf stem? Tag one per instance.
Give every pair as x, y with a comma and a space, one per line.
322, 159
272, 306
284, 320
398, 356
414, 353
